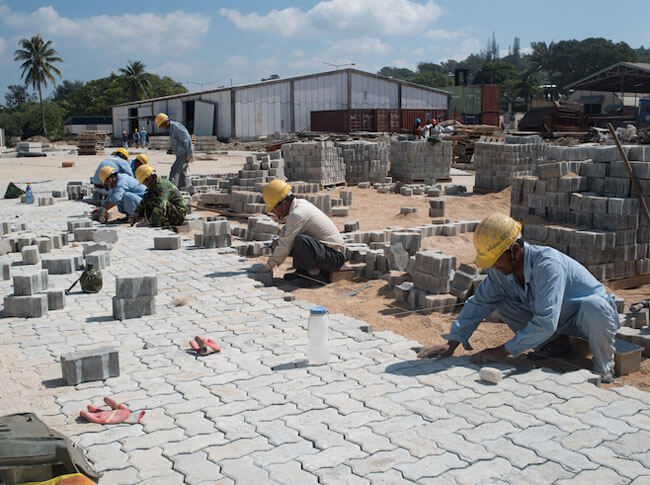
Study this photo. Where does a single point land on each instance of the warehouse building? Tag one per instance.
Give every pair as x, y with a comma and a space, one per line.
278, 106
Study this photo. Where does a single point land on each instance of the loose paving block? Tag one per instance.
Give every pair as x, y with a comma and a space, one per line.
351, 226
134, 286
55, 299
5, 271
90, 365
340, 211
216, 228
167, 242
407, 210
5, 247
30, 255
45, 201
463, 282
627, 357
30, 284
44, 244
401, 291
65, 265
104, 235
490, 374
410, 241
135, 307
77, 223
346, 197
25, 306
397, 257
99, 259
638, 319
90, 248
455, 189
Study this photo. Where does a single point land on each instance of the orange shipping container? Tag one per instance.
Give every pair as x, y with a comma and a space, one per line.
491, 98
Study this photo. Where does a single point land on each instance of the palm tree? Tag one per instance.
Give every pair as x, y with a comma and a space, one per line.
136, 79
38, 57
526, 86
542, 56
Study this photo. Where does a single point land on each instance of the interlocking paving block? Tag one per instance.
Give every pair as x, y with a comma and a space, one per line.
30, 284
99, 259
55, 299
340, 211
134, 307
90, 365
44, 244
351, 226
90, 248
132, 286
25, 306
83, 233
30, 255
5, 271
104, 235
167, 242
627, 357
79, 222
59, 265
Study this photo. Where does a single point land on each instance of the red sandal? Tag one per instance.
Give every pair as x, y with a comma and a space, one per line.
117, 414
204, 346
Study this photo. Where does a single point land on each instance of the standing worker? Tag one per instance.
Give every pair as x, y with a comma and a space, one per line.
181, 143
162, 203
119, 160
143, 137
125, 192
309, 236
125, 140
538, 292
136, 138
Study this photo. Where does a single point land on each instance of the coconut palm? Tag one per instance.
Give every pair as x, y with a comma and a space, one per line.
542, 57
38, 57
136, 79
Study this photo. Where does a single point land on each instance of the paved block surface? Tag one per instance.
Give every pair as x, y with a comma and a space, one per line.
249, 414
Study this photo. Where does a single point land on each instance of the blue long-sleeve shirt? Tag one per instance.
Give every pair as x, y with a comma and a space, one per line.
554, 286
119, 164
180, 139
125, 183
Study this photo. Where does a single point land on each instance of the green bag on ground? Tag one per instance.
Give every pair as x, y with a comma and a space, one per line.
13, 191
31, 451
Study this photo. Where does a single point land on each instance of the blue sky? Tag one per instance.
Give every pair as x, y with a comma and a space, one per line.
207, 44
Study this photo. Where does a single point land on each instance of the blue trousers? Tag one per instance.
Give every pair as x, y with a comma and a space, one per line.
129, 203
596, 321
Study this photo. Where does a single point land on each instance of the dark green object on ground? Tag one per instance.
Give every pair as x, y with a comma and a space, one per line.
91, 280
13, 191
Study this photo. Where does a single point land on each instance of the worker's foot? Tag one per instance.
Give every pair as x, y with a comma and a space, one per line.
560, 347
607, 378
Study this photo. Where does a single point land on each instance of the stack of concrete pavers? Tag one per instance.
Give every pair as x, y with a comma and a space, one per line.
31, 297
261, 228
432, 272
78, 190
28, 147
246, 202
97, 254
90, 365
216, 234
322, 201
497, 164
591, 213
462, 283
134, 296
436, 208
419, 160
314, 161
365, 161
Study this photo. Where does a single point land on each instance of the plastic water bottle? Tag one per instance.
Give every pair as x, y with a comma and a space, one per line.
29, 195
318, 350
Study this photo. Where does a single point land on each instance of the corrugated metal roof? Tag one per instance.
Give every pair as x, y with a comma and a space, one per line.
630, 77
296, 78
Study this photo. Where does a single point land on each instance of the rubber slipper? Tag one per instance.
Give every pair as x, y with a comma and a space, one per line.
204, 346
116, 414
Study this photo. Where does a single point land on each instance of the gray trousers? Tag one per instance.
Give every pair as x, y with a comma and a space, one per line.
178, 174
596, 321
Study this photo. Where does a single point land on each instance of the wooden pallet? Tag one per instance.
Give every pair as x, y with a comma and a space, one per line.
627, 283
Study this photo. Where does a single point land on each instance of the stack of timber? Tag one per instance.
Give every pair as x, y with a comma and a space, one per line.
91, 142
464, 138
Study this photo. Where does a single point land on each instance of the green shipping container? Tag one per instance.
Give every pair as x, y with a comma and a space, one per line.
465, 99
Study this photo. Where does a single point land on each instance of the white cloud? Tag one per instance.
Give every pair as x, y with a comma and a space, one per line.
357, 48
442, 34
467, 47
173, 32
392, 17
238, 60
297, 53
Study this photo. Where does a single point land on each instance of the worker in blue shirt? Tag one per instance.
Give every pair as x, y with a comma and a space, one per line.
125, 192
141, 159
143, 138
136, 138
119, 160
538, 292
181, 144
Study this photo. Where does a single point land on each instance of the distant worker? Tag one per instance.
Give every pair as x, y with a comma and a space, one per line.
136, 138
141, 159
119, 160
309, 236
143, 137
125, 140
181, 143
543, 295
162, 203
417, 129
125, 192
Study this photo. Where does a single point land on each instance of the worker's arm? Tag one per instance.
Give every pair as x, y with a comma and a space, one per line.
294, 226
159, 207
547, 285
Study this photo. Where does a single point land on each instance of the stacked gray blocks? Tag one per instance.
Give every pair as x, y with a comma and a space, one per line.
497, 164
134, 296
30, 255
436, 208
351, 226
315, 161
419, 160
364, 161
216, 234
98, 259
462, 284
410, 241
60, 265
346, 197
261, 228
322, 201
592, 215
28, 299
90, 365
167, 242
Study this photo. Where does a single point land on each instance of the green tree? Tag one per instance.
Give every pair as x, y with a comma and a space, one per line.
526, 86
396, 72
38, 66
643, 54
136, 79
542, 58
495, 73
17, 97
271, 77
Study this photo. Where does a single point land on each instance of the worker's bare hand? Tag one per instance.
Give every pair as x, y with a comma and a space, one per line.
438, 351
490, 355
260, 268
103, 216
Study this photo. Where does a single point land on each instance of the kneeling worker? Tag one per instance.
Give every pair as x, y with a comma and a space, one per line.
538, 292
119, 160
124, 192
141, 159
309, 236
162, 203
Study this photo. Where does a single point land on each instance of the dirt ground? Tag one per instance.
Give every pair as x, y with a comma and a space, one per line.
375, 211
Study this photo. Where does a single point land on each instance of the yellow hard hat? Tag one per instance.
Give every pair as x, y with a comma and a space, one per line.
124, 131
136, 129
123, 152
274, 192
105, 172
143, 159
143, 127
161, 118
143, 172
493, 236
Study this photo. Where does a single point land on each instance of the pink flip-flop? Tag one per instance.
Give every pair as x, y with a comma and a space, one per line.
204, 346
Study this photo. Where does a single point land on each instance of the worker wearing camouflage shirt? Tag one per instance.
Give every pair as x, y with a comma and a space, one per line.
162, 203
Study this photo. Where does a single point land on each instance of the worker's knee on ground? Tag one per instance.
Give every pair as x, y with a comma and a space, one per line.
129, 204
